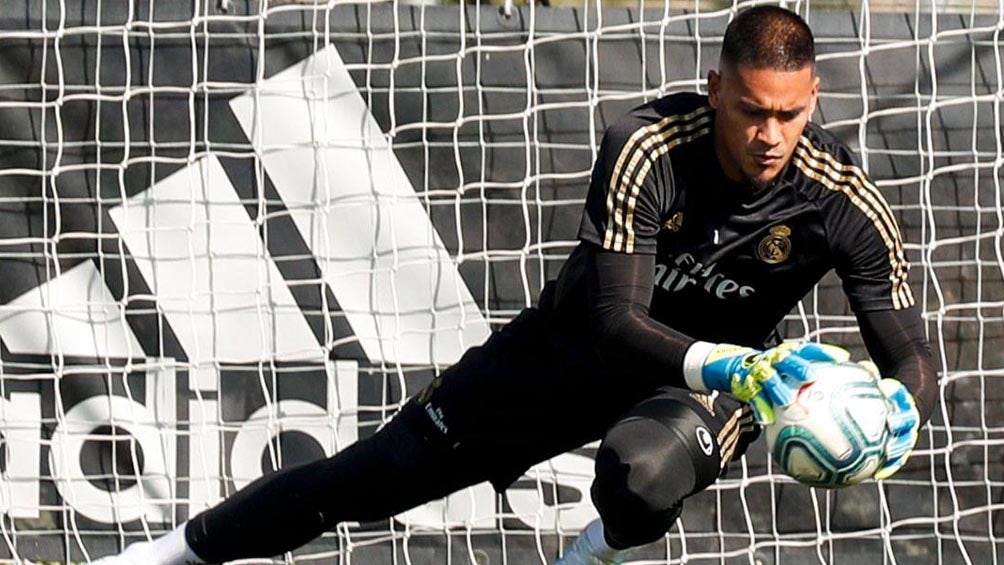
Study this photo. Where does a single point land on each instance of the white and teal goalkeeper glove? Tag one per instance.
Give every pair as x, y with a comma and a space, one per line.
764, 379
902, 422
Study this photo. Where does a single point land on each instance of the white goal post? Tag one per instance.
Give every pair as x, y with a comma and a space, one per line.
237, 235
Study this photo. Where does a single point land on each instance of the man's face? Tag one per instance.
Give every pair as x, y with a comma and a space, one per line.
760, 114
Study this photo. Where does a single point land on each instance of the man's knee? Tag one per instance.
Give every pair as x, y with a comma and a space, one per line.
648, 464
643, 473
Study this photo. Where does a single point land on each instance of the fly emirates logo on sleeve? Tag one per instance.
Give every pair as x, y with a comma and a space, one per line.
685, 271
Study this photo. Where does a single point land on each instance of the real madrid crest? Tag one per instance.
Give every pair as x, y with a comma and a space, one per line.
775, 247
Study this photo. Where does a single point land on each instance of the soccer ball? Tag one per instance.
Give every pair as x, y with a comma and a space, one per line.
834, 434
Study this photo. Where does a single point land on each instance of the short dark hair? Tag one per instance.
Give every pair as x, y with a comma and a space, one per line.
768, 37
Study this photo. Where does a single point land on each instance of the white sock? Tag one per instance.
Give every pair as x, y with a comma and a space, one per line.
594, 532
170, 549
591, 548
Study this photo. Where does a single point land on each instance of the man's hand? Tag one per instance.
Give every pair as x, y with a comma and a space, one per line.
902, 422
764, 379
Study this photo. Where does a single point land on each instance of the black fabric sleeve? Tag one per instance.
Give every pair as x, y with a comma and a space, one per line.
895, 340
870, 258
623, 333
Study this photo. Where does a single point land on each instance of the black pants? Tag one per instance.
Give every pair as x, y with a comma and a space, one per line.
531, 392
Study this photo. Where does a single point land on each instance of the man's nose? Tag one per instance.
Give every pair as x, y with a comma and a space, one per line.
769, 132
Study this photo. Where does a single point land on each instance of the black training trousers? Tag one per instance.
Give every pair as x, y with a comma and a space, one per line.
531, 392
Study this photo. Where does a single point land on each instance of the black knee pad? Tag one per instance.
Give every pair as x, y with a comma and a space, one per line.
647, 465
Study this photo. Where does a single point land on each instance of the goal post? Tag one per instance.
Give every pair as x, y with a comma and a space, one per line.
235, 236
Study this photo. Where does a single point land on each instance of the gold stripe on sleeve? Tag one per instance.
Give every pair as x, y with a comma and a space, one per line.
646, 166
853, 183
637, 136
620, 205
728, 437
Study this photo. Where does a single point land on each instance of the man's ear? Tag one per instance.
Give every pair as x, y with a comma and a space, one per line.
714, 83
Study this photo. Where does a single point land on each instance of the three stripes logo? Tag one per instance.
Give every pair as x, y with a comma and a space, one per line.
850, 180
640, 153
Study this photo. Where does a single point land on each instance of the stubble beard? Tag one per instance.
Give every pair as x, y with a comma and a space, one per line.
759, 183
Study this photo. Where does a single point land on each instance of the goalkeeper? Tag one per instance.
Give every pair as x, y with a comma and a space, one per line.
706, 221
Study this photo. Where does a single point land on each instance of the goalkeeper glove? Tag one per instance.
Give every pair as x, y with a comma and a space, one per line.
902, 422
764, 379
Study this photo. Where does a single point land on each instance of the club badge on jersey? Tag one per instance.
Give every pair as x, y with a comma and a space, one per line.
776, 246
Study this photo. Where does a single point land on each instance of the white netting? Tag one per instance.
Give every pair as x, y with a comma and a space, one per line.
223, 226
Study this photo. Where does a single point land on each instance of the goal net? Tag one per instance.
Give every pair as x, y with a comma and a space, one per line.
236, 236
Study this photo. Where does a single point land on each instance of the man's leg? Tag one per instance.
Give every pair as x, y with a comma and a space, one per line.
663, 450
396, 469
453, 434
399, 467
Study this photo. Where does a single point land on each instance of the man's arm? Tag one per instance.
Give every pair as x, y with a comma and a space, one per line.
619, 323
902, 361
619, 232
624, 335
870, 259
896, 342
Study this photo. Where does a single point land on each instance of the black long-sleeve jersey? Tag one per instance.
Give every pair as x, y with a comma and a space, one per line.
727, 262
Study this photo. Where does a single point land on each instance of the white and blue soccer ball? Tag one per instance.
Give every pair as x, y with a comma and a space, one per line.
834, 434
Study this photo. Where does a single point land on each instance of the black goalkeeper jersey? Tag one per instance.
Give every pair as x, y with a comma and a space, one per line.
731, 261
